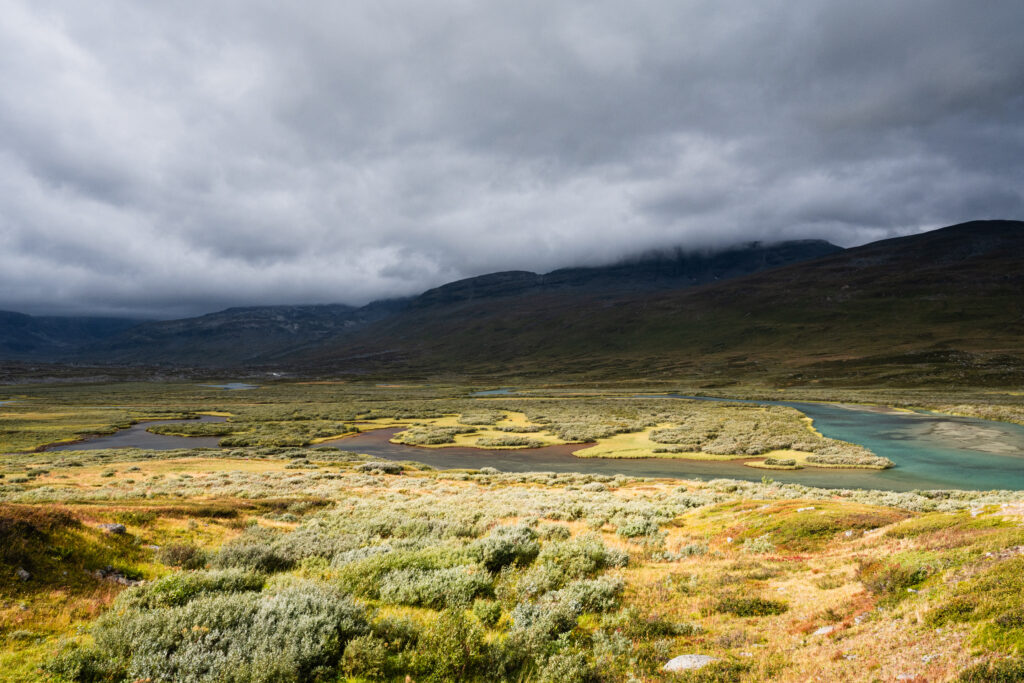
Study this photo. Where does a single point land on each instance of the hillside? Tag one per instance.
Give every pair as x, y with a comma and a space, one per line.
48, 337
947, 304
235, 336
267, 335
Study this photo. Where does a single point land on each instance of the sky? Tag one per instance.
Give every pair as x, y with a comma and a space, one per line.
167, 159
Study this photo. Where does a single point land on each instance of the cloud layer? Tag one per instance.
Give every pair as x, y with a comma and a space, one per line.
167, 159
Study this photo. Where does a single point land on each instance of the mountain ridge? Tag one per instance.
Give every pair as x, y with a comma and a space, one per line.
947, 303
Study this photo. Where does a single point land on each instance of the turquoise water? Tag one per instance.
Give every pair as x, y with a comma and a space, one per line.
930, 450
231, 386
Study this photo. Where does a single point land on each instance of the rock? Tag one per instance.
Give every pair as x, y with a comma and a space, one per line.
22, 574
825, 630
688, 662
805, 509
108, 573
113, 528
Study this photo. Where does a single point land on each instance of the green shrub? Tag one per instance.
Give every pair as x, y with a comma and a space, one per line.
591, 595
761, 545
366, 657
750, 607
178, 589
1010, 670
436, 588
637, 526
136, 517
582, 556
184, 555
891, 578
487, 611
383, 467
567, 667
634, 624
296, 634
452, 648
554, 532
83, 664
508, 545
252, 556
508, 442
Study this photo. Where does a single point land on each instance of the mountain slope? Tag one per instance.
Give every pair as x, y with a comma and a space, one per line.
948, 302
48, 337
268, 335
237, 336
657, 270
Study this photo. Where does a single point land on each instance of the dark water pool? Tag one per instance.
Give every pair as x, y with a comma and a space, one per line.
136, 436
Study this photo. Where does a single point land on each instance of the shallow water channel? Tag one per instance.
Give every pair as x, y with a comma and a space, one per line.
931, 451
136, 436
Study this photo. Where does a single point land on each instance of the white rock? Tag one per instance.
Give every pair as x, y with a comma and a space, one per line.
825, 630
805, 509
22, 574
688, 662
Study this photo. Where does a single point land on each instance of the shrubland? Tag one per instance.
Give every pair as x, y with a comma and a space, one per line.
279, 563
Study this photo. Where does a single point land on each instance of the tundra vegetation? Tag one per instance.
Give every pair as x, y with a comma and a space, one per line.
274, 562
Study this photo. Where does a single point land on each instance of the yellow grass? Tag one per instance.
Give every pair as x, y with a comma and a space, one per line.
639, 445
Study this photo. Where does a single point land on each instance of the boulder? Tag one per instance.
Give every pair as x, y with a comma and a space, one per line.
688, 662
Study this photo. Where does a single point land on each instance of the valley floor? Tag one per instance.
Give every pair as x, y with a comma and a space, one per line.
274, 561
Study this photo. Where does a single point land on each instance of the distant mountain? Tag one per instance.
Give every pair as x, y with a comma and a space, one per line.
275, 335
937, 307
237, 336
50, 337
943, 305
666, 269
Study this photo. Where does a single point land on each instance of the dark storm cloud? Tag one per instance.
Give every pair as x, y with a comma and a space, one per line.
168, 159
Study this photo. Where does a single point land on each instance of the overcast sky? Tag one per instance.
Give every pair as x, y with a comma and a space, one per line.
173, 158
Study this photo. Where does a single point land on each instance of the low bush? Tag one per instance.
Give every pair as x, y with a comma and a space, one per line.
508, 545
436, 588
178, 589
508, 442
385, 467
252, 556
75, 662
891, 578
184, 555
741, 606
637, 526
1009, 670
366, 657
582, 556
451, 648
762, 545
235, 636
